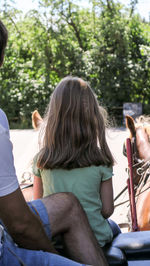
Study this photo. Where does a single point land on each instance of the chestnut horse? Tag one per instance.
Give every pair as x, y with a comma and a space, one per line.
139, 135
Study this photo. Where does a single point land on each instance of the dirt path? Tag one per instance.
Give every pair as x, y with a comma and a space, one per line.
116, 138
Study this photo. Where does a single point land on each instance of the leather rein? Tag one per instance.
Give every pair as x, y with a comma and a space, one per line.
142, 169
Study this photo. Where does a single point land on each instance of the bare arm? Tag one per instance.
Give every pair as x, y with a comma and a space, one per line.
106, 194
37, 188
24, 226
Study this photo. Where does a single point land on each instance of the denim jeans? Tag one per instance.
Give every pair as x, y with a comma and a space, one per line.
12, 255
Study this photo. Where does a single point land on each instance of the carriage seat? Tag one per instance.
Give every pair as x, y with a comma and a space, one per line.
127, 247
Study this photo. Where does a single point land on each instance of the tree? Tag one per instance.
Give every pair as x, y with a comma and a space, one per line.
103, 44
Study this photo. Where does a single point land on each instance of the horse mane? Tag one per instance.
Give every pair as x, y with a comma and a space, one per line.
143, 119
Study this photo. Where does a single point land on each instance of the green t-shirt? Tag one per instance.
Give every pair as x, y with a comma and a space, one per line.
84, 183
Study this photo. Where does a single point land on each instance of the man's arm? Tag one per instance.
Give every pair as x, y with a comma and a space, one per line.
24, 226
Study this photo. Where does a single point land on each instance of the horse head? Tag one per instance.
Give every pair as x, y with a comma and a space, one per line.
130, 125
139, 132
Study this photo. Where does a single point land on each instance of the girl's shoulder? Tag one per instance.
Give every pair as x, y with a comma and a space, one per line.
35, 159
105, 170
100, 170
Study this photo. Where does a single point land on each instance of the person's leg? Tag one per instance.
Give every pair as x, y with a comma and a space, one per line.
11, 254
68, 218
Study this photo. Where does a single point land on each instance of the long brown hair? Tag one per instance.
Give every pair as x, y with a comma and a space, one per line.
74, 134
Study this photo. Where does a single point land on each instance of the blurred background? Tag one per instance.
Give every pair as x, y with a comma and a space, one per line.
105, 42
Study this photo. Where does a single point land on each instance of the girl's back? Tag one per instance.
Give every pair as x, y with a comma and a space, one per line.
84, 183
75, 156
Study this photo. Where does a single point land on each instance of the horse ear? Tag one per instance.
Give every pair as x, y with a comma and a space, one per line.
36, 120
130, 125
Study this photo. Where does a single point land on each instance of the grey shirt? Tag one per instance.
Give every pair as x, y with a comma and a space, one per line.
8, 178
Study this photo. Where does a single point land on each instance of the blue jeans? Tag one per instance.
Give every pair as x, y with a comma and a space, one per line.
114, 227
39, 209
11, 254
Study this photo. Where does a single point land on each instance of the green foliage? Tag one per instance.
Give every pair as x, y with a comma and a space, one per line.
105, 45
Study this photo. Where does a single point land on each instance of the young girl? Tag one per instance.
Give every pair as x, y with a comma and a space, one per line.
74, 156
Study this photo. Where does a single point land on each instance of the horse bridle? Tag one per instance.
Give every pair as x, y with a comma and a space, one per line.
142, 168
141, 165
134, 150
